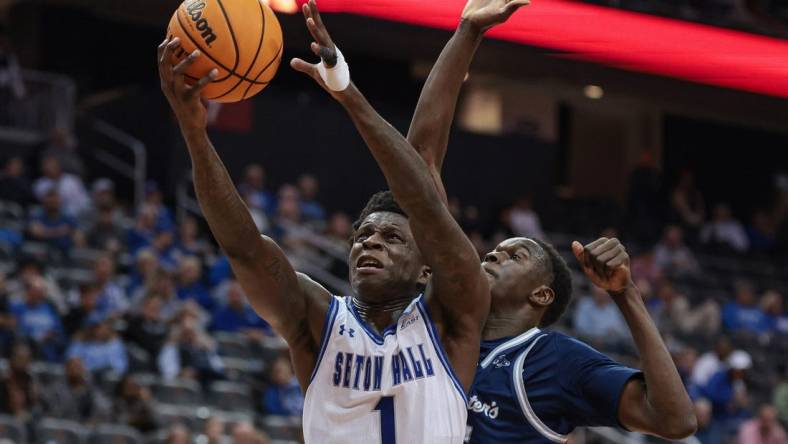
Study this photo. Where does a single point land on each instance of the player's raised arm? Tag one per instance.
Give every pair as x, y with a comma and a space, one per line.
659, 406
458, 288
286, 300
431, 124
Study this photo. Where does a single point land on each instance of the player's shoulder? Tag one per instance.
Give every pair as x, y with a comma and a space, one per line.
567, 346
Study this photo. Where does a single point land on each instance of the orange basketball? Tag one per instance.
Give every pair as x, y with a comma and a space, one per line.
242, 39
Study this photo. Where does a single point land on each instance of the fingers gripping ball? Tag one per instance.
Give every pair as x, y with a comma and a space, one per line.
242, 39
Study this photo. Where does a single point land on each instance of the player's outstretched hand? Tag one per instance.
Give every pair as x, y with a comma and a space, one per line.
606, 262
484, 14
184, 99
322, 46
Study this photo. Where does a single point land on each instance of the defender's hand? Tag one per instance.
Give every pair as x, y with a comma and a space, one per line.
484, 14
606, 262
184, 99
322, 47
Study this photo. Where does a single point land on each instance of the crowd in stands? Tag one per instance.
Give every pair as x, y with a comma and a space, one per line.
128, 315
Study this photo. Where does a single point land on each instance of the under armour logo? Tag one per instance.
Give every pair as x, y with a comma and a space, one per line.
350, 331
501, 361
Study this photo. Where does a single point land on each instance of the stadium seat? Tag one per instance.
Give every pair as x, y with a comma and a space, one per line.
179, 392
234, 346
188, 415
231, 396
114, 434
60, 431
12, 429
48, 373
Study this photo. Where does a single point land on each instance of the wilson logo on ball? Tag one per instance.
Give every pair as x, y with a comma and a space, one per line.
195, 12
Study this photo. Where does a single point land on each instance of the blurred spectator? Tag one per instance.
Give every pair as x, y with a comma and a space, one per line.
707, 432
712, 362
14, 185
190, 354
134, 405
145, 267
164, 248
190, 284
673, 257
50, 224
524, 221
687, 202
724, 231
112, 297
189, 242
105, 219
19, 389
727, 391
147, 329
598, 319
762, 233
772, 305
764, 429
645, 185
63, 147
339, 231
30, 268
99, 348
219, 271
213, 432
253, 186
38, 321
245, 433
283, 397
685, 359
142, 233
155, 199
238, 316
743, 314
78, 315
76, 398
178, 434
68, 186
259, 217
288, 211
672, 313
311, 209
644, 266
162, 285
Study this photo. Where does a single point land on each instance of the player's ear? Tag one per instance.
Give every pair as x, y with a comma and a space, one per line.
543, 296
424, 276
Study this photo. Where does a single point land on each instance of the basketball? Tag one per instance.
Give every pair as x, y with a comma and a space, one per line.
242, 39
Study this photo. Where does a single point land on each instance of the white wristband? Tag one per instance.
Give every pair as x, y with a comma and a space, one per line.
338, 77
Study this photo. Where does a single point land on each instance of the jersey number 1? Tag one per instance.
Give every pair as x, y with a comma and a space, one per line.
387, 428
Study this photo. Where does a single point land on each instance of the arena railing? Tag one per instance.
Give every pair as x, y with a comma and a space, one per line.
48, 102
119, 151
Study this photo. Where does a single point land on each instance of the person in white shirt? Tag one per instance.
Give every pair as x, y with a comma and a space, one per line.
72, 191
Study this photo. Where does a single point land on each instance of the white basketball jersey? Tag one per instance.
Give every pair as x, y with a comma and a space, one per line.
398, 388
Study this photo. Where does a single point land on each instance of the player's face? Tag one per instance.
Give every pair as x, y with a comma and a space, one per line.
514, 271
385, 262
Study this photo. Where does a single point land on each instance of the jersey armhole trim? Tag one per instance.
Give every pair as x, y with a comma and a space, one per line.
328, 327
522, 398
425, 313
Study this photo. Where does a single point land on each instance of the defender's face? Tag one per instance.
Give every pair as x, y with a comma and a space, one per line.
513, 270
384, 259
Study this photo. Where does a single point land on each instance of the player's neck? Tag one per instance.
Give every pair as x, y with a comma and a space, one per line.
380, 315
504, 325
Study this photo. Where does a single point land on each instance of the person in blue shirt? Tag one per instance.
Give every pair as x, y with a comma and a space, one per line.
283, 397
743, 314
237, 315
99, 348
50, 224
311, 210
534, 385
190, 284
38, 321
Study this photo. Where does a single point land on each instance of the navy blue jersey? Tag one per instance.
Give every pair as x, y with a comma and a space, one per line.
539, 386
